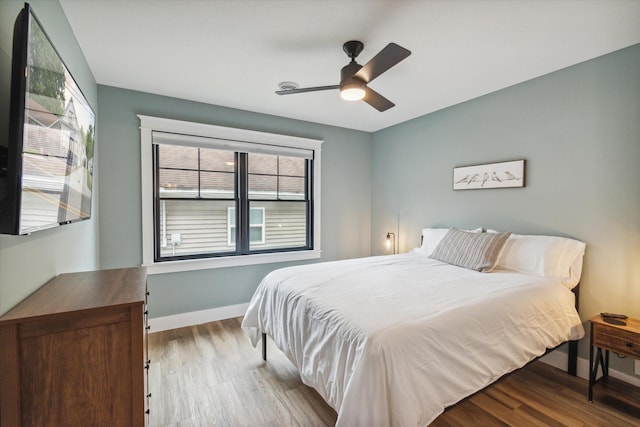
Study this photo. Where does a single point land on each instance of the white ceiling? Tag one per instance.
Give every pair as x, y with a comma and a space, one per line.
234, 53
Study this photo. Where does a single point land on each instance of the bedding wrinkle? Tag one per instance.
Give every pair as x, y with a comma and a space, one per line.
404, 334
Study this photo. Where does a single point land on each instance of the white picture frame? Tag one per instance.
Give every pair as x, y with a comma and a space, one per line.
490, 175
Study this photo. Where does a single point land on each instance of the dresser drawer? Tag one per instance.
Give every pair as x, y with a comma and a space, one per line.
617, 340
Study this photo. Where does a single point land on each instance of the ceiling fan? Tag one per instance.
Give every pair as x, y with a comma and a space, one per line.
355, 77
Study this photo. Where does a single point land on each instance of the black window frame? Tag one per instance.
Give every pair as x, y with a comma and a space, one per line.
242, 209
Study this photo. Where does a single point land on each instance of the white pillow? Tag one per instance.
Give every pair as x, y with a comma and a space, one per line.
544, 256
432, 236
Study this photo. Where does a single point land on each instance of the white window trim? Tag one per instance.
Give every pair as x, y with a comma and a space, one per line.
148, 124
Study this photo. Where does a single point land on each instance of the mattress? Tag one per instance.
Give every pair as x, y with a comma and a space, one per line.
394, 340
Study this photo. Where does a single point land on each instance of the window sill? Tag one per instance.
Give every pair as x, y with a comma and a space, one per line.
231, 261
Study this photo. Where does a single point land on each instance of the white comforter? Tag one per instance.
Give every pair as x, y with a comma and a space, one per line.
394, 340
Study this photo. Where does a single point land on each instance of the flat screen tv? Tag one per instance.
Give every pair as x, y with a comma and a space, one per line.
49, 157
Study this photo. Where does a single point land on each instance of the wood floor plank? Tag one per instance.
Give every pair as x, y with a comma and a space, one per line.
471, 415
503, 398
210, 375
508, 415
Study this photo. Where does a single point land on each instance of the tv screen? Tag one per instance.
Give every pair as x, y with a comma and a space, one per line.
51, 137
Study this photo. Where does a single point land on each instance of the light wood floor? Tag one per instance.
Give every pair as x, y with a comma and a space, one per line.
209, 375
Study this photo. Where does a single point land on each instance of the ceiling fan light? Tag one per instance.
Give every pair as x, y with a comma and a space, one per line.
352, 92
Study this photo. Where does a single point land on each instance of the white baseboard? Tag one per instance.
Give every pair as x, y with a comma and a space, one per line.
559, 360
197, 317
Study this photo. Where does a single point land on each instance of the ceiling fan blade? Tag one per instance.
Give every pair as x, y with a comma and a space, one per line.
306, 89
385, 59
376, 100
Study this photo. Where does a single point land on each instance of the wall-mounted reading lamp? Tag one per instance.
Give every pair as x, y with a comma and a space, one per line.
391, 242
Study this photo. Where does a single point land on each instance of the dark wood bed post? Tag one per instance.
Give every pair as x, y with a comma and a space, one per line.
572, 363
264, 347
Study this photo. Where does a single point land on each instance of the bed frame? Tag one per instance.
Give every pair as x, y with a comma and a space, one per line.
572, 362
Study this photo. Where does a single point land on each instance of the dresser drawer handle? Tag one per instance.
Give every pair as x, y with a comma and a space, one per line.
630, 344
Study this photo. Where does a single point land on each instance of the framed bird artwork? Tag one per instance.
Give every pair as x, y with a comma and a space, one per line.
490, 175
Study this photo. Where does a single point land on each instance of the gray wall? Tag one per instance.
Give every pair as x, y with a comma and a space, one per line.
27, 262
346, 195
578, 130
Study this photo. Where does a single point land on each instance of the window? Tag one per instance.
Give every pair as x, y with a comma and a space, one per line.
220, 196
256, 226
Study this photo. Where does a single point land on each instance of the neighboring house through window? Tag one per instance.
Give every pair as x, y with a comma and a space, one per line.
216, 196
256, 226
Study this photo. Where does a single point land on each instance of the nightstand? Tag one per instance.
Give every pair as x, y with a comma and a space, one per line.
623, 340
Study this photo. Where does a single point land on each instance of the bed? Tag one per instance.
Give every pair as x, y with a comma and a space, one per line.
394, 340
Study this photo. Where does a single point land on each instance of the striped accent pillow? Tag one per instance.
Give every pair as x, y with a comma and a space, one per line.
475, 251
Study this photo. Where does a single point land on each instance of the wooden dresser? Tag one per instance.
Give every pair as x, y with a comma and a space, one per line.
74, 352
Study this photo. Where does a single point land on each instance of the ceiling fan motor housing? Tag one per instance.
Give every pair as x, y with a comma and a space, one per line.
348, 72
